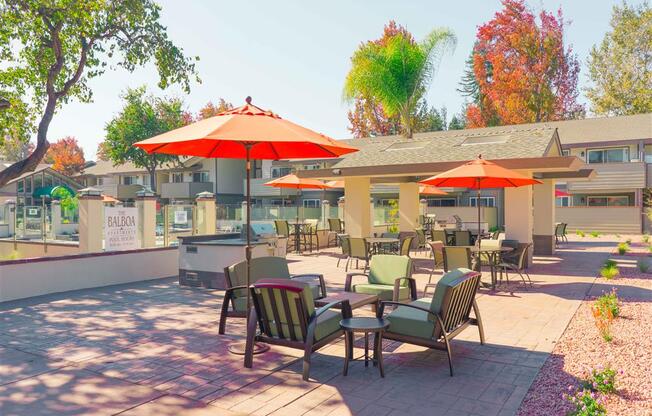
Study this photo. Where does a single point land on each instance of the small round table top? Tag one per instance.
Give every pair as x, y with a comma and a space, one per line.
364, 324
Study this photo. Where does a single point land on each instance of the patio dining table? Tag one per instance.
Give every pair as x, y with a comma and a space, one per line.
376, 242
493, 255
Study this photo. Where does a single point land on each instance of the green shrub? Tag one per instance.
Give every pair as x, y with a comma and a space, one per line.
646, 238
587, 403
643, 265
609, 272
14, 255
610, 263
580, 233
595, 234
608, 301
601, 380
623, 248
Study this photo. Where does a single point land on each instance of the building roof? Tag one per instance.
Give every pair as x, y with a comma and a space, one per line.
507, 142
103, 167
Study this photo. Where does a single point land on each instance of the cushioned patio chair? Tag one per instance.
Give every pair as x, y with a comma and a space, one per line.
517, 264
261, 268
434, 322
389, 278
284, 314
463, 238
457, 257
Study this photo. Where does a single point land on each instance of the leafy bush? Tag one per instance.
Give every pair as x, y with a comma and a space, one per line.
595, 234
608, 301
609, 272
610, 263
587, 403
580, 233
623, 248
643, 265
646, 238
601, 380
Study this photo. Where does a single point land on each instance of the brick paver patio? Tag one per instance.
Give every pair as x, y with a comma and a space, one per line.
153, 348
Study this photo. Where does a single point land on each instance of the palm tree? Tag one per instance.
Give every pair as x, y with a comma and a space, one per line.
397, 73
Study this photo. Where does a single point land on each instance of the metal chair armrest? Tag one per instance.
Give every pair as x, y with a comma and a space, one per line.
349, 279
411, 283
381, 308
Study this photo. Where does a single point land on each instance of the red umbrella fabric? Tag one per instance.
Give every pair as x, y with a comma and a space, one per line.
559, 193
431, 190
295, 182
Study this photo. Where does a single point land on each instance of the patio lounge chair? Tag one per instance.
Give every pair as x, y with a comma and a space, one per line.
517, 264
261, 267
389, 278
285, 314
435, 322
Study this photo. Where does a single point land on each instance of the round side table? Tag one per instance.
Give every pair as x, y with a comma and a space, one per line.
365, 325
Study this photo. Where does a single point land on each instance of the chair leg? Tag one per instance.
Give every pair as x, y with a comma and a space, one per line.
223, 315
450, 357
478, 318
306, 362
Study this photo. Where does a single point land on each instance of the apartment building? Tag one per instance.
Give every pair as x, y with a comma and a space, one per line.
30, 188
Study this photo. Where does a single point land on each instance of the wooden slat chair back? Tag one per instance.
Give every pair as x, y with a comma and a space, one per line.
435, 322
284, 314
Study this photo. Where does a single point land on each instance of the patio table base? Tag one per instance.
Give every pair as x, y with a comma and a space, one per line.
239, 348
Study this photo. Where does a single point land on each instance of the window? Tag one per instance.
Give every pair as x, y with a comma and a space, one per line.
485, 201
257, 168
442, 202
130, 180
386, 202
279, 171
563, 201
177, 177
20, 187
146, 180
100, 181
28, 185
38, 181
311, 203
311, 166
565, 152
200, 177
47, 180
613, 155
607, 201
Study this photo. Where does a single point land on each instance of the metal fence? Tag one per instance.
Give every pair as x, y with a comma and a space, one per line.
178, 221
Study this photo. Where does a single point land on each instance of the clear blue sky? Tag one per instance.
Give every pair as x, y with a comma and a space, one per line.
292, 56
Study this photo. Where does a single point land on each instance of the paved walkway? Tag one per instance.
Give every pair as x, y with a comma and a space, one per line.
152, 348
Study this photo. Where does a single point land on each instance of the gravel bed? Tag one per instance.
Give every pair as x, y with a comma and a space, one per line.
581, 348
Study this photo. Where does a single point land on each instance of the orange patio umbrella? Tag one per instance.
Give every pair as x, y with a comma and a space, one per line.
479, 174
292, 181
247, 132
336, 184
431, 190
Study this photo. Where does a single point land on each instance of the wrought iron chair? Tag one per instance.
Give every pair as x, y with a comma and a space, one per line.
285, 314
434, 322
260, 268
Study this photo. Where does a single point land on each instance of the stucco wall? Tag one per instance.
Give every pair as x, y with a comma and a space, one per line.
27, 278
602, 219
468, 214
28, 249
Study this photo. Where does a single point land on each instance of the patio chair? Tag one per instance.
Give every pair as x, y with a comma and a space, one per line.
485, 259
437, 252
405, 245
517, 264
389, 278
463, 238
310, 236
261, 267
558, 233
283, 230
422, 241
334, 230
439, 235
563, 231
457, 258
358, 250
346, 249
434, 322
285, 314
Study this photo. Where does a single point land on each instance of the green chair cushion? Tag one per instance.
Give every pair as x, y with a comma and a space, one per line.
410, 321
261, 268
384, 292
327, 323
384, 269
448, 280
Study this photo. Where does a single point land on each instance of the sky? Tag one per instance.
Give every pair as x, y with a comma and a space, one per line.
292, 56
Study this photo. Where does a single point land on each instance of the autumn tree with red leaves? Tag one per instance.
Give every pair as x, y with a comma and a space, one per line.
210, 109
66, 156
523, 70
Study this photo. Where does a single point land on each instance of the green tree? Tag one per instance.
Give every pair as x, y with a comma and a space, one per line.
396, 72
429, 118
143, 116
52, 49
620, 68
458, 122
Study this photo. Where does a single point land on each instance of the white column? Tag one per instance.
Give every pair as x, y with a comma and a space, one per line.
244, 214
357, 215
518, 214
325, 213
206, 213
146, 204
408, 206
544, 217
55, 206
340, 208
91, 220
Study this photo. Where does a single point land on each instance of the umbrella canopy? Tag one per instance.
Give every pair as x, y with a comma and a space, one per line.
226, 134
479, 174
431, 190
559, 193
336, 184
294, 182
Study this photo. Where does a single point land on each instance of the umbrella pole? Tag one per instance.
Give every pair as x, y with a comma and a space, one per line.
240, 347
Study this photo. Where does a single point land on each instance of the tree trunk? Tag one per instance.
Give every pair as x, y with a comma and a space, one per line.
152, 178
